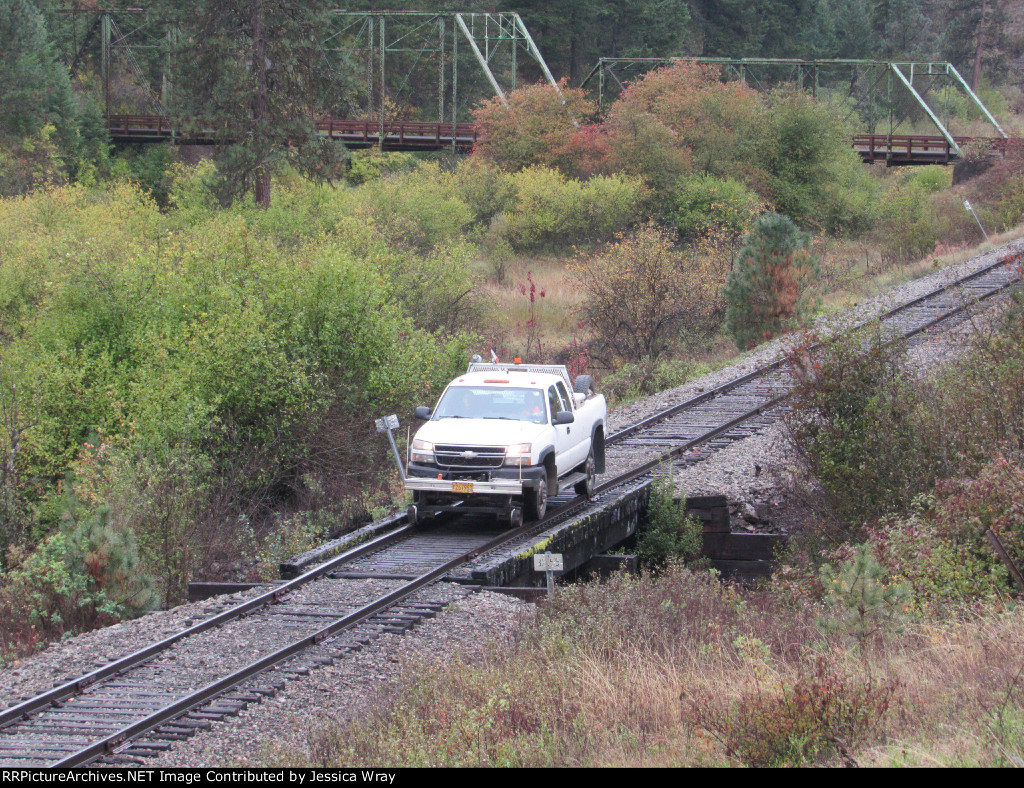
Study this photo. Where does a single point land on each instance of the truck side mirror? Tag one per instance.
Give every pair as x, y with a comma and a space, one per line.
563, 417
423, 412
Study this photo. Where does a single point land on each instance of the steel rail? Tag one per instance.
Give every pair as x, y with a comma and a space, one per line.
112, 742
63, 692
762, 408
778, 363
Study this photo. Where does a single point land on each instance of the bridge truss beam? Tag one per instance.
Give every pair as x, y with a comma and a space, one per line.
612, 75
387, 65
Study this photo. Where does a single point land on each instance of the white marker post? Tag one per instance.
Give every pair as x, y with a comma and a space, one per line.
549, 563
386, 424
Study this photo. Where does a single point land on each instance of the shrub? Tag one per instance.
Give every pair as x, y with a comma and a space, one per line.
770, 288
487, 190
812, 173
641, 145
823, 713
705, 202
372, 163
942, 569
551, 211
908, 225
708, 117
533, 129
418, 210
87, 575
669, 534
638, 379
641, 293
933, 178
849, 423
876, 436
221, 364
31, 162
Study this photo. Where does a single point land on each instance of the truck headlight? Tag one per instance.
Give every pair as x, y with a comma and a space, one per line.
422, 451
518, 454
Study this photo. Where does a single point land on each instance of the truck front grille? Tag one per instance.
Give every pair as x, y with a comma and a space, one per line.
469, 456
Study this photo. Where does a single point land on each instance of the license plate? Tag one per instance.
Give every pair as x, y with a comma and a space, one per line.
462, 487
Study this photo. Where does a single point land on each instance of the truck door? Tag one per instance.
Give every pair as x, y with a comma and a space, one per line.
579, 446
563, 433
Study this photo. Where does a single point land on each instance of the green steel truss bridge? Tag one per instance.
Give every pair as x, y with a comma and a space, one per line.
885, 95
407, 81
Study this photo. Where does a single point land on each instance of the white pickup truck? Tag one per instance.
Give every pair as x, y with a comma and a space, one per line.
505, 437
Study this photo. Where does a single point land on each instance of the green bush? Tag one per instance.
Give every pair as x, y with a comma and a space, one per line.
372, 163
875, 436
851, 424
908, 225
813, 175
704, 202
945, 568
638, 379
552, 212
669, 534
933, 178
86, 575
216, 359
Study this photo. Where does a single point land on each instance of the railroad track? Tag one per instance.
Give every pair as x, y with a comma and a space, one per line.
689, 431
140, 704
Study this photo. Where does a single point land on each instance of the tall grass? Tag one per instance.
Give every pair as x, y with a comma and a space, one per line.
683, 671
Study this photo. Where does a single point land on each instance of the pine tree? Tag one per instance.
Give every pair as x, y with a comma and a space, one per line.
253, 73
770, 287
35, 89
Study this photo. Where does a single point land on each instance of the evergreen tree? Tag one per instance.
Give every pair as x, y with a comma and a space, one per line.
574, 34
35, 89
769, 288
901, 30
975, 38
253, 72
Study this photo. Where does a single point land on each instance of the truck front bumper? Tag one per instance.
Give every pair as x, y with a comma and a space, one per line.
499, 481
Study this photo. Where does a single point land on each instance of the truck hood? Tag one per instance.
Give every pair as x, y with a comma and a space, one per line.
480, 432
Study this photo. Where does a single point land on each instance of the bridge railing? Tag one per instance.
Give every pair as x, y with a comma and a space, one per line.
411, 134
906, 147
397, 135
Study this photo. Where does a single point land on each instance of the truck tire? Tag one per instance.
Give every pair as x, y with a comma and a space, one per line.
586, 487
584, 384
536, 501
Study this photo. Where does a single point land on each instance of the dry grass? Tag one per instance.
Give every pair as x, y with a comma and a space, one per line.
699, 675
557, 313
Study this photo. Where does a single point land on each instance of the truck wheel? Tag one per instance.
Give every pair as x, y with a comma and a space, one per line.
536, 501
586, 487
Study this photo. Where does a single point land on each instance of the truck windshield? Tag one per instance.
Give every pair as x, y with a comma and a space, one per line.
491, 402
